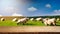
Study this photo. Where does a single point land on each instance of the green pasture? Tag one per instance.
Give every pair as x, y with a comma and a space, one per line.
29, 23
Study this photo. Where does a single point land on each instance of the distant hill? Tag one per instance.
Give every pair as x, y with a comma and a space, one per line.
18, 17
55, 16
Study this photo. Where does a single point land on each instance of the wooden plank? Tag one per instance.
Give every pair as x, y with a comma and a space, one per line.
30, 29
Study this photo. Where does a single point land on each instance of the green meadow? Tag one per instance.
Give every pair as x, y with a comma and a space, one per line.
28, 23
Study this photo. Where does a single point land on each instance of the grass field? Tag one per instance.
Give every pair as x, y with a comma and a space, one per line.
29, 23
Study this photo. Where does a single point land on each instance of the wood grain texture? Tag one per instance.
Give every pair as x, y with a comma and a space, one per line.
30, 29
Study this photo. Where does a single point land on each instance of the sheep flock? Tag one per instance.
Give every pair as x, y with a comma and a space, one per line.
45, 21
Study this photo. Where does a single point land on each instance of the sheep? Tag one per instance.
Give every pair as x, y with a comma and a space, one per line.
58, 19
15, 19
32, 19
2, 19
52, 21
38, 19
49, 21
22, 21
45, 21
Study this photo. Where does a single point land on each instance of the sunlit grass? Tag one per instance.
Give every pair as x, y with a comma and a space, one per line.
35, 23
58, 23
7, 23
29, 23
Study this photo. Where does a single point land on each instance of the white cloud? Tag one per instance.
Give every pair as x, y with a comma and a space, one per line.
32, 9
57, 11
48, 6
15, 14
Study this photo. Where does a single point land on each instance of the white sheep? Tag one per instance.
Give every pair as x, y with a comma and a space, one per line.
38, 19
52, 21
22, 21
32, 19
15, 19
58, 19
49, 21
2, 19
45, 21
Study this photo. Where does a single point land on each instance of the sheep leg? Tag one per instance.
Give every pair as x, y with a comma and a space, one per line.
49, 23
24, 22
17, 23
54, 24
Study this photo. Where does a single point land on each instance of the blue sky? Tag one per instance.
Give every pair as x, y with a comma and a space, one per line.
29, 7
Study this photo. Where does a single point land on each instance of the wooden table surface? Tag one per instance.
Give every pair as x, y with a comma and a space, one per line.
29, 28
